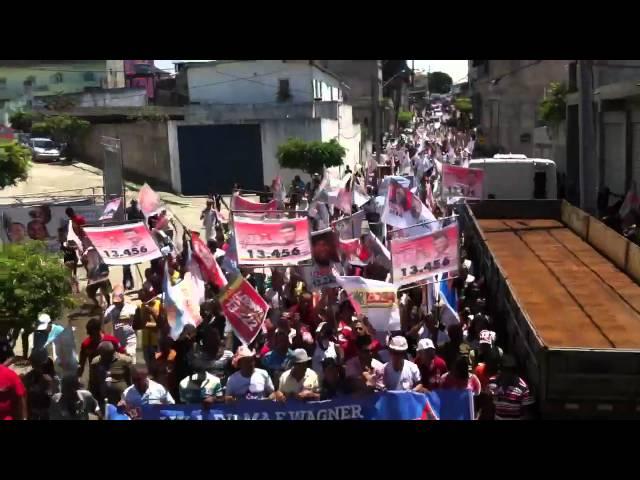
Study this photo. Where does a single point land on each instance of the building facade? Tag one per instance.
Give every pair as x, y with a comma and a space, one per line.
616, 100
23, 80
506, 95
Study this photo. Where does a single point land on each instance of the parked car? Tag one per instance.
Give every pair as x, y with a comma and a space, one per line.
44, 149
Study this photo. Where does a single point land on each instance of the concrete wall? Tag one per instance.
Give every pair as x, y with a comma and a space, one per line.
145, 149
509, 107
256, 81
551, 143
274, 132
117, 97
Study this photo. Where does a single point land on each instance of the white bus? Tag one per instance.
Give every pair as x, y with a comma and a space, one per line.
515, 177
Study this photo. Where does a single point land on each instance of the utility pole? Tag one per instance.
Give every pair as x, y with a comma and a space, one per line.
377, 122
589, 172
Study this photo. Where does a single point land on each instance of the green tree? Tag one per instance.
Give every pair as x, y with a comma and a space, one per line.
404, 118
552, 109
440, 82
61, 128
310, 157
32, 281
464, 107
23, 120
15, 161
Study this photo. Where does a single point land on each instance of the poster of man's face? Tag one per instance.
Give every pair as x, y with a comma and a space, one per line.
288, 232
324, 248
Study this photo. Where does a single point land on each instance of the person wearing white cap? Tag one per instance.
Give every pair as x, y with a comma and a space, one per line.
248, 381
400, 373
431, 366
300, 382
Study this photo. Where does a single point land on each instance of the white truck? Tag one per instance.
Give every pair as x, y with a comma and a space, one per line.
516, 177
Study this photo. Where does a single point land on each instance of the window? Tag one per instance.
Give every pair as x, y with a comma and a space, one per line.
3, 83
89, 77
284, 93
57, 78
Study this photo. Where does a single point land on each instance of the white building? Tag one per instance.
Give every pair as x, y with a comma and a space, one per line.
241, 111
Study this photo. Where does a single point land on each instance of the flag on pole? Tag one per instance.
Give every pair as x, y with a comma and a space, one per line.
149, 201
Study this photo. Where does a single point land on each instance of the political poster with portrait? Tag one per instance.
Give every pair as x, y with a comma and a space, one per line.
351, 226
283, 242
403, 209
324, 252
244, 308
124, 244
462, 182
419, 258
111, 209
48, 223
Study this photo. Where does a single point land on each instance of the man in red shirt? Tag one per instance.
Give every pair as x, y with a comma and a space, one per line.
13, 396
89, 346
431, 366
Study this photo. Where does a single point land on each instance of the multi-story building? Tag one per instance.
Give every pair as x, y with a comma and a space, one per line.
22, 80
505, 96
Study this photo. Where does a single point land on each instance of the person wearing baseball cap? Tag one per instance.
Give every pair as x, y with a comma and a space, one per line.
248, 382
400, 373
431, 366
300, 382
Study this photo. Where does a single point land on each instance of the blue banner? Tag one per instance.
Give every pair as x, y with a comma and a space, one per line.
437, 405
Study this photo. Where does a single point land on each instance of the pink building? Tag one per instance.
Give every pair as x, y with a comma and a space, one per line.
141, 74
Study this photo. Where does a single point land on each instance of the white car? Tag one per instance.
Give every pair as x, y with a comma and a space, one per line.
44, 149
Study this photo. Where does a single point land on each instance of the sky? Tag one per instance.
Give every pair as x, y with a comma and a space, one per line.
457, 69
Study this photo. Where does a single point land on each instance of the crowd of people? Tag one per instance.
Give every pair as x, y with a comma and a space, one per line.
313, 345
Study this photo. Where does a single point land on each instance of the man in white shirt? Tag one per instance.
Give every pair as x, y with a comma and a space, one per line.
209, 217
144, 391
300, 382
400, 373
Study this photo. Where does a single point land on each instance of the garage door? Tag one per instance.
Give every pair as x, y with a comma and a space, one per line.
214, 157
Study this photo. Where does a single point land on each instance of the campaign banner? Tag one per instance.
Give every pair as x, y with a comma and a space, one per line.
110, 209
372, 298
244, 308
207, 261
124, 244
403, 209
272, 242
244, 205
436, 405
182, 301
462, 182
41, 222
351, 226
418, 258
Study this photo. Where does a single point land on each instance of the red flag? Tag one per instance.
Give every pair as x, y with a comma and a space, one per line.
210, 268
244, 308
